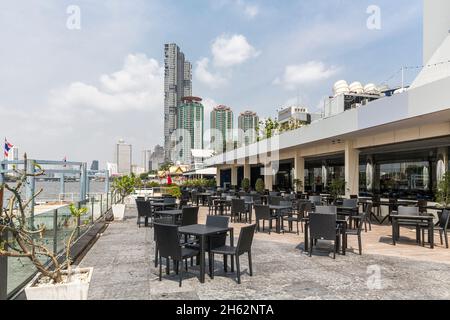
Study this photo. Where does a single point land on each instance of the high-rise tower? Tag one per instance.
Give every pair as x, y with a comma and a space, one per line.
177, 84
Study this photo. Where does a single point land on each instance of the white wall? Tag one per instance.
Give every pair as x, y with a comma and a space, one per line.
436, 24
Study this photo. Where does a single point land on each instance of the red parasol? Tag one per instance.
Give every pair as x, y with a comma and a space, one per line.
169, 180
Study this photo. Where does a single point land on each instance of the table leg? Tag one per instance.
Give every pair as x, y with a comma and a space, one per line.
393, 232
306, 236
431, 234
232, 245
202, 259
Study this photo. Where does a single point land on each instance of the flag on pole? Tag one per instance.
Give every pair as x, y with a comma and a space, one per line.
8, 146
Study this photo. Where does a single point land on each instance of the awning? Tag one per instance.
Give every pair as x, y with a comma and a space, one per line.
202, 172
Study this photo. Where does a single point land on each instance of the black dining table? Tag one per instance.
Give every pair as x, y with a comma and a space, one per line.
278, 212
341, 223
202, 232
427, 219
174, 214
164, 206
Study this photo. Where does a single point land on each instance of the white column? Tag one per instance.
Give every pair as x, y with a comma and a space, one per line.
351, 169
218, 177
234, 176
268, 177
247, 171
300, 170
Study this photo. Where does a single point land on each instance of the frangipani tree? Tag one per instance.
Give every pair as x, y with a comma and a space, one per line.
25, 240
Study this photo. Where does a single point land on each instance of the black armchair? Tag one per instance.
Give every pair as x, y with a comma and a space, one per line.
244, 246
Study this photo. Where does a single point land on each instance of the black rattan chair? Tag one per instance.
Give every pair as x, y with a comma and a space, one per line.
144, 209
263, 213
168, 242
441, 227
238, 209
357, 232
244, 246
323, 227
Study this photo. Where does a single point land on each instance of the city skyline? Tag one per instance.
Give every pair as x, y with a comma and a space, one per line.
89, 100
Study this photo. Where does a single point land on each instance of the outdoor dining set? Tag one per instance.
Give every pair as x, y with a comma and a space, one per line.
179, 237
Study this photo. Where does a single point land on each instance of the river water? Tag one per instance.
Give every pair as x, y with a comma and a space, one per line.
51, 190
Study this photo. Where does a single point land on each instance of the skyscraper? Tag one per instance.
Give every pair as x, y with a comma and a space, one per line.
222, 124
177, 84
123, 157
191, 123
157, 158
146, 162
94, 165
248, 123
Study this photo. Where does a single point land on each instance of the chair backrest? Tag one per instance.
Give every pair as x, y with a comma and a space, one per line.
247, 198
307, 208
170, 200
286, 203
168, 241
218, 221
444, 220
275, 200
274, 194
183, 203
354, 196
351, 203
144, 208
317, 200
408, 211
220, 240
246, 239
422, 204
326, 210
237, 206
262, 212
189, 216
322, 226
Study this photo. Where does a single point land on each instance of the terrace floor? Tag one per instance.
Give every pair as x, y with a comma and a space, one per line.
123, 269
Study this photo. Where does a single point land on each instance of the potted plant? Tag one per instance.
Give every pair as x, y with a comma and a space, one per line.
337, 188
443, 191
124, 186
259, 186
55, 280
246, 184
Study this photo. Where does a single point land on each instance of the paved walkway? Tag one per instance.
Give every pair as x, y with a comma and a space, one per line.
123, 269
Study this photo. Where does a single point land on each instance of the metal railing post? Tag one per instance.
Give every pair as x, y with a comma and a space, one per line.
79, 220
101, 205
3, 270
55, 231
92, 211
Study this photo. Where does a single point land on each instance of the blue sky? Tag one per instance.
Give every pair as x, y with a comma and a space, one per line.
74, 93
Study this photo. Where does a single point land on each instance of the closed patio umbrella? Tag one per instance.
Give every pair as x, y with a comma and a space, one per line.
426, 178
369, 176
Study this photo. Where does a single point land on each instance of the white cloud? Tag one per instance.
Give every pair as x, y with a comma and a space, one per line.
232, 50
307, 73
209, 104
251, 11
202, 74
138, 86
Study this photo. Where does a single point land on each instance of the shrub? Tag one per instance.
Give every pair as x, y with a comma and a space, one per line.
443, 190
260, 186
246, 184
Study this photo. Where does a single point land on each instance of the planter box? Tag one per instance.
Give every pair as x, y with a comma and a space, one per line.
119, 211
75, 290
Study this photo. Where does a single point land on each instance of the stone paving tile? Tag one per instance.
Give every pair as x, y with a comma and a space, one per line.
124, 269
